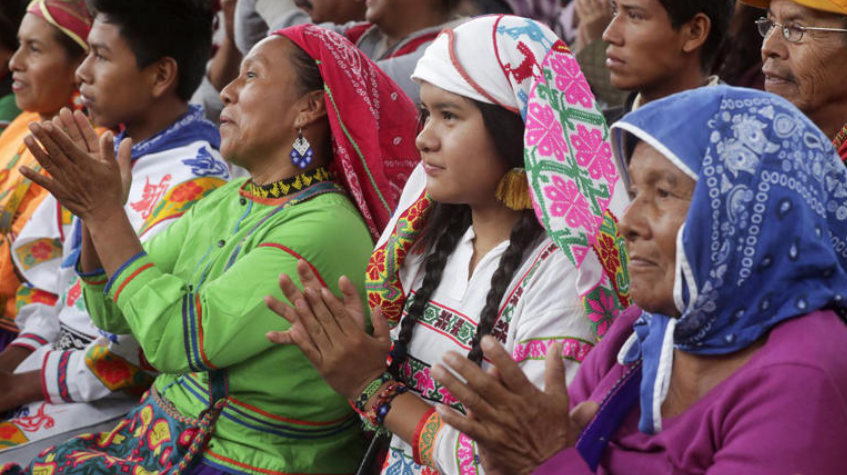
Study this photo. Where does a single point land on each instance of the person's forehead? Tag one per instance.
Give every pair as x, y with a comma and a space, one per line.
270, 50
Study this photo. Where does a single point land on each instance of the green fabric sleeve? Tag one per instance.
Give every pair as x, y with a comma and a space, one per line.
181, 330
104, 313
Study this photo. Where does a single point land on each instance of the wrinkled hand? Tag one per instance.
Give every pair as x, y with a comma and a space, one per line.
84, 174
515, 425
594, 18
331, 332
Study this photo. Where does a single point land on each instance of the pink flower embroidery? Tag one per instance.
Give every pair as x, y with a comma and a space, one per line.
543, 130
594, 153
423, 382
465, 455
569, 79
569, 203
603, 312
446, 397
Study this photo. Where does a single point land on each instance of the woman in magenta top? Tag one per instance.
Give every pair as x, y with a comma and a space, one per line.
737, 363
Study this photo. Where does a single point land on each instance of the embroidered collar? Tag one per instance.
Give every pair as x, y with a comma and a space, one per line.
283, 188
189, 128
840, 138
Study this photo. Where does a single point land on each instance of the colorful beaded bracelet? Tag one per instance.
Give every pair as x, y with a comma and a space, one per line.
376, 416
369, 392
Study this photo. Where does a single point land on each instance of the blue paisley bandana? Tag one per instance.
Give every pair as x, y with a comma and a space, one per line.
765, 239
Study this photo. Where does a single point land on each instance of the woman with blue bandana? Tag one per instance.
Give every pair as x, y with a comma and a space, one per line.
736, 359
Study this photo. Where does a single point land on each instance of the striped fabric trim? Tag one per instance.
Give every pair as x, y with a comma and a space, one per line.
192, 325
33, 337
254, 418
23, 345
121, 269
96, 280
96, 277
229, 465
44, 389
64, 392
129, 279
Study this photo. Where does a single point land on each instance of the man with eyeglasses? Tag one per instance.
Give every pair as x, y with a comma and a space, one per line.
804, 55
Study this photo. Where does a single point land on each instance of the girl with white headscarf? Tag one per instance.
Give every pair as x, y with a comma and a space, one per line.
507, 229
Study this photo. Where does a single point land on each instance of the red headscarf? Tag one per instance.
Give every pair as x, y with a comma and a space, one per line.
373, 123
71, 17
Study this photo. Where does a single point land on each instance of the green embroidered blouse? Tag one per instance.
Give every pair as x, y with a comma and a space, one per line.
194, 301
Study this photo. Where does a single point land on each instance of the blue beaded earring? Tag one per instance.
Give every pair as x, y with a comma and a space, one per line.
302, 153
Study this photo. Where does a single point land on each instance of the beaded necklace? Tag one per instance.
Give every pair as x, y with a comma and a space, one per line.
280, 189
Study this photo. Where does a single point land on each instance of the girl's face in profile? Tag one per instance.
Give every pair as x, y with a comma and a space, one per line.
458, 154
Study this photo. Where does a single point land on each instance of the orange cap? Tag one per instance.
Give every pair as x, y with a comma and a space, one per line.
834, 6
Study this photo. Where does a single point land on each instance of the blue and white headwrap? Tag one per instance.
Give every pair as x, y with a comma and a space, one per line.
765, 239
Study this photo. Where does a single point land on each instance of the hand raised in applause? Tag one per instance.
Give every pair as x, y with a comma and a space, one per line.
515, 425
331, 332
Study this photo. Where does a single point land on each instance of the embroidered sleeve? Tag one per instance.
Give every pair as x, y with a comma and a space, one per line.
177, 201
36, 253
37, 318
93, 373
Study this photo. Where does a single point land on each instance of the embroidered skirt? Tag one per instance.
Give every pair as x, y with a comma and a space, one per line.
153, 438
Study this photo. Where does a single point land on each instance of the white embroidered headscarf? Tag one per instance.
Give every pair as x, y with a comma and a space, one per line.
521, 65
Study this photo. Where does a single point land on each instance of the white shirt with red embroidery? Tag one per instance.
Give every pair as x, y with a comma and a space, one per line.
89, 376
541, 305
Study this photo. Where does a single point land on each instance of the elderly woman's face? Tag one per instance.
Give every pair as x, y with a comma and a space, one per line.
257, 121
661, 194
809, 73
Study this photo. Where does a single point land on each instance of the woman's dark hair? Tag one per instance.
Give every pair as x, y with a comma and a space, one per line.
719, 12
156, 29
308, 74
448, 223
73, 50
740, 60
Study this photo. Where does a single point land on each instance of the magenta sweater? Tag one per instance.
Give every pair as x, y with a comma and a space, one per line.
784, 412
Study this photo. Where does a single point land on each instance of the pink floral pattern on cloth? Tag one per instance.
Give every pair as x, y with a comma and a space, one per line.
576, 190
594, 153
569, 79
545, 132
572, 349
466, 456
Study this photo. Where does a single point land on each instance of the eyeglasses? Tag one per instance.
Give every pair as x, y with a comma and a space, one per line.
791, 33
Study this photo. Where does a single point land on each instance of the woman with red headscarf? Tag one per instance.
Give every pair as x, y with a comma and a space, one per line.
327, 139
